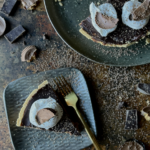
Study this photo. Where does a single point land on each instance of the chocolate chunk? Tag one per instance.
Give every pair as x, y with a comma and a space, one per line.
144, 88
131, 120
121, 105
142, 12
14, 34
8, 6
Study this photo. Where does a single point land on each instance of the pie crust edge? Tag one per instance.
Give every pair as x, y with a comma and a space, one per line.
21, 113
83, 32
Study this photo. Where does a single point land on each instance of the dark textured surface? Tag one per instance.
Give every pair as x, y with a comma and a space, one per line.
107, 85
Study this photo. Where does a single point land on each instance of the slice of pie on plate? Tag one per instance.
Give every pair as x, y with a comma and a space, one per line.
42, 110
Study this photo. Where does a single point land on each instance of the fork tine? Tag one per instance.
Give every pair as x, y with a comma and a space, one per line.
63, 87
69, 87
62, 92
66, 88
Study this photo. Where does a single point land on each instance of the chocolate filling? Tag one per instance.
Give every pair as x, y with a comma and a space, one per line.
122, 35
64, 125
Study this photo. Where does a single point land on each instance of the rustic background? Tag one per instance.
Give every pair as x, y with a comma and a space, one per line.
107, 85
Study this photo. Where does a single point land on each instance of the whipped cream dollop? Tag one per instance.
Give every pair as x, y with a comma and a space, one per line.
40, 104
104, 25
127, 10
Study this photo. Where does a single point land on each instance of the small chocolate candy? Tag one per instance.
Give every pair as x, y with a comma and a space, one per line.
15, 34
131, 120
8, 6
29, 4
146, 113
144, 88
29, 54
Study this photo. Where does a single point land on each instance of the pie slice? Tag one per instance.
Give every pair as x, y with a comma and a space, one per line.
123, 36
45, 91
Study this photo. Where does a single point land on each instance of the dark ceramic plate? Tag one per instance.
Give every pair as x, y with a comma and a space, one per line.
65, 21
32, 139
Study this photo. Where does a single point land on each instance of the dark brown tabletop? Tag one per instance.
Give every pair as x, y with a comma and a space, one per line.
108, 85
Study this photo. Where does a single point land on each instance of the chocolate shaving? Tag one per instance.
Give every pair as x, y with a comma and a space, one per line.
144, 88
28, 54
105, 22
142, 12
29, 4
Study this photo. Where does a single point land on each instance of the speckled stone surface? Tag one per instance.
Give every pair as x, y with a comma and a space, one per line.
107, 85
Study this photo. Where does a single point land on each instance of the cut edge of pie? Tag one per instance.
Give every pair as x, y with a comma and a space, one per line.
21, 113
83, 32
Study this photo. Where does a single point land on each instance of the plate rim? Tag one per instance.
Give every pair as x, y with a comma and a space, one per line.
8, 123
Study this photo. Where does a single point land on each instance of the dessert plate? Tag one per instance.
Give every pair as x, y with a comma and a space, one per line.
32, 139
65, 20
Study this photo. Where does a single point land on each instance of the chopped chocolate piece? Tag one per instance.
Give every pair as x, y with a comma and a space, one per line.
44, 115
28, 54
144, 88
8, 6
142, 12
2, 26
121, 105
44, 37
146, 113
131, 120
29, 4
15, 34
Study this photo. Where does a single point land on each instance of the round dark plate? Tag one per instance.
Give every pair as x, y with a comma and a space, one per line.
65, 21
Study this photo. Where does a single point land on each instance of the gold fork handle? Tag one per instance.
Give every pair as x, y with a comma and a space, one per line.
88, 130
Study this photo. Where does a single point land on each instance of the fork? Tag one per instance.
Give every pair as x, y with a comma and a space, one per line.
71, 100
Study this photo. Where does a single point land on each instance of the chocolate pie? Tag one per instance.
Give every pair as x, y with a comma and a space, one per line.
44, 91
123, 36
